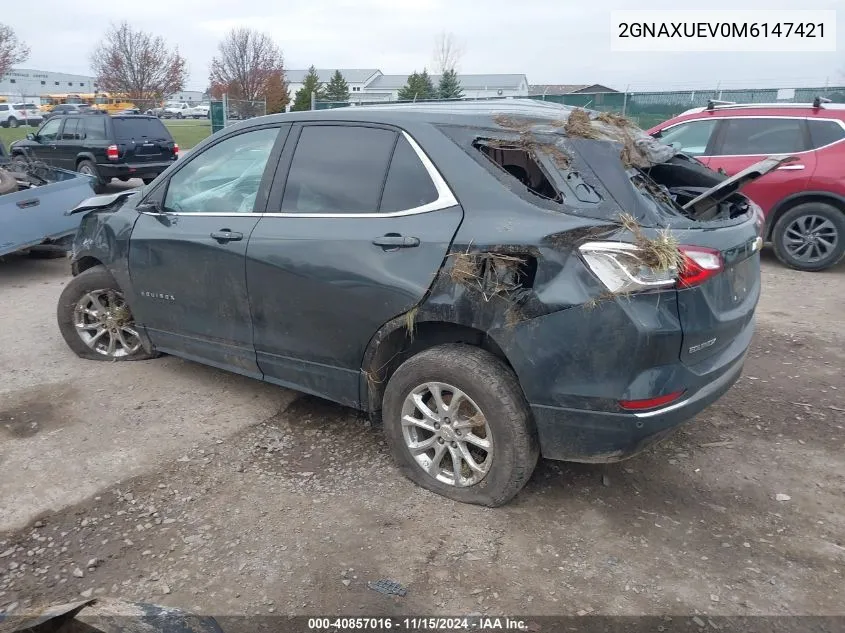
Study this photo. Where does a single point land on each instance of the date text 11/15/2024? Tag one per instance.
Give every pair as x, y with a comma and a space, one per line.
485, 623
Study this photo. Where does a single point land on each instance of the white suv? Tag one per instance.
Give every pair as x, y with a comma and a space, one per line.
15, 114
177, 110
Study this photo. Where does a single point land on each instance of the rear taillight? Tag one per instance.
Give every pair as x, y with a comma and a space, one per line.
700, 264
620, 267
650, 403
112, 152
175, 150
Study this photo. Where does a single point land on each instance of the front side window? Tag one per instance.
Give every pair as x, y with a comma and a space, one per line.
750, 136
691, 137
338, 169
224, 178
49, 131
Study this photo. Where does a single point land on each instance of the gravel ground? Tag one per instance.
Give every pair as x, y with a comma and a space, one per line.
172, 482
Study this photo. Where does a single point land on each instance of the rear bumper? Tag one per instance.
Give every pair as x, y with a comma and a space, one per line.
595, 436
132, 170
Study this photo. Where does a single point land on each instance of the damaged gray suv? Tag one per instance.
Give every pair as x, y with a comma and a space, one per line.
493, 281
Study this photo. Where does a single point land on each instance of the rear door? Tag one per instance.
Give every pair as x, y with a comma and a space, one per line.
743, 141
186, 261
142, 139
68, 143
357, 226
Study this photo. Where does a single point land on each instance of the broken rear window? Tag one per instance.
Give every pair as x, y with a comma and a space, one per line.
520, 164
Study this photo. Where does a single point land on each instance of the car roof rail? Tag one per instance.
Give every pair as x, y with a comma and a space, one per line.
712, 103
818, 101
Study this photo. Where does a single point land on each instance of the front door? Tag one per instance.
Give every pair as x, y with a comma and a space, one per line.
186, 260
44, 148
355, 232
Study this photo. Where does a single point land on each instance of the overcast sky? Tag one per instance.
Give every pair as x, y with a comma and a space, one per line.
551, 41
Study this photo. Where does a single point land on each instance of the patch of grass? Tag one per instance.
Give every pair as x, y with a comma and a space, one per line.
185, 133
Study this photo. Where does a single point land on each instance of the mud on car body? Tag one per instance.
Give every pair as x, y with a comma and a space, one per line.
493, 282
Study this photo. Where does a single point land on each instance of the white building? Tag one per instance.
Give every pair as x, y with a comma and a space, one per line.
25, 82
191, 97
370, 84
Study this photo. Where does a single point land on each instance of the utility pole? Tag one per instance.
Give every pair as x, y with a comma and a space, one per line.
313, 99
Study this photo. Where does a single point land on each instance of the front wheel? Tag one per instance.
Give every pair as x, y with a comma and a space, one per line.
13, 122
457, 423
810, 236
95, 320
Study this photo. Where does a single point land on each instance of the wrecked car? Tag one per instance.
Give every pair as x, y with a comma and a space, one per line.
490, 281
34, 201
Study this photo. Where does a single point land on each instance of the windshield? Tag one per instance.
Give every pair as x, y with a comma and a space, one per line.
140, 128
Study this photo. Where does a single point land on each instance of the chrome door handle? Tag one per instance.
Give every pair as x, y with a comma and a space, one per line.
791, 167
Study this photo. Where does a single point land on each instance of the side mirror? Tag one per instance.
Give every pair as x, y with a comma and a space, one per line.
30, 136
150, 206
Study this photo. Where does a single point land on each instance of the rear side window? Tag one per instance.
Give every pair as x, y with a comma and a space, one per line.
408, 184
691, 137
129, 128
824, 132
338, 169
4, 108
94, 128
747, 136
70, 131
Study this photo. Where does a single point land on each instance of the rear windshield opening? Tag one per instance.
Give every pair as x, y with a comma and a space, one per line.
129, 128
521, 165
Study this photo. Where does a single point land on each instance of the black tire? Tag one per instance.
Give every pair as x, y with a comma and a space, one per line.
13, 122
794, 219
89, 281
87, 167
179, 115
495, 390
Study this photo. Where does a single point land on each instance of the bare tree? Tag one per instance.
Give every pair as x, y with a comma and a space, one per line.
138, 64
249, 62
12, 50
447, 52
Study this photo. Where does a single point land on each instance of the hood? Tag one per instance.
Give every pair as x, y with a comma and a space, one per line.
101, 202
725, 189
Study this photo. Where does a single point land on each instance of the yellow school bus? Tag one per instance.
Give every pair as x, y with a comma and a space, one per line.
48, 102
109, 102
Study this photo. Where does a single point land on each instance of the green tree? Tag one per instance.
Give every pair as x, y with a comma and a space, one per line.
450, 86
418, 87
311, 83
337, 89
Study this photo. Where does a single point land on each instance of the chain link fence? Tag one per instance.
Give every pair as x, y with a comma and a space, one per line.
647, 109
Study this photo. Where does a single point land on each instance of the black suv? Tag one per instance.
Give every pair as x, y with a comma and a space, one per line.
492, 280
102, 146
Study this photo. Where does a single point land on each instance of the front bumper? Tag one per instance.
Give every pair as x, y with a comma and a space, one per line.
132, 170
579, 435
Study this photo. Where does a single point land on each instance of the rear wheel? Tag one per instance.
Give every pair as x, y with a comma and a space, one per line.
810, 236
90, 169
95, 320
178, 115
457, 424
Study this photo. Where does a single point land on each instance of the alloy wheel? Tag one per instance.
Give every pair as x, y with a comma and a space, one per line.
810, 238
104, 323
447, 434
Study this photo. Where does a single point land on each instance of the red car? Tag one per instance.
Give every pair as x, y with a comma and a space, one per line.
804, 201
